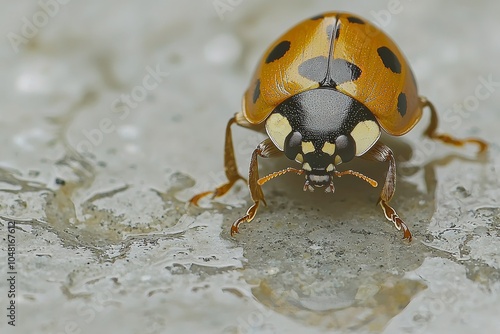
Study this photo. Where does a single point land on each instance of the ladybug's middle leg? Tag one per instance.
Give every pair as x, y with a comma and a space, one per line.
382, 153
266, 149
446, 138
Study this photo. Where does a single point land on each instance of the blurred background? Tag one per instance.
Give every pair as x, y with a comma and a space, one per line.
113, 115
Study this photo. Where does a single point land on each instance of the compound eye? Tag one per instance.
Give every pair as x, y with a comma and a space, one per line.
345, 147
293, 145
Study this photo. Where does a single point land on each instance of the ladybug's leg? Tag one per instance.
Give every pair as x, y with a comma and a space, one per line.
431, 130
230, 167
266, 149
382, 153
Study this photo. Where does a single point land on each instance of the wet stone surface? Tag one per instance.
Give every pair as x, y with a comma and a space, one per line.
113, 116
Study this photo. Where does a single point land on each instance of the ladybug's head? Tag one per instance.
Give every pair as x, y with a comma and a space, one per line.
319, 156
322, 128
319, 168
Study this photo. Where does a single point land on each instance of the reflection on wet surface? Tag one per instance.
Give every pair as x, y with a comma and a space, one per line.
325, 260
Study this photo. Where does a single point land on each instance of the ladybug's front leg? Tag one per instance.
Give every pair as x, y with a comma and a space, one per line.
230, 167
382, 153
266, 149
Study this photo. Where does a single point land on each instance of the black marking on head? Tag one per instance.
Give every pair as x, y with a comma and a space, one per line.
341, 71
256, 92
353, 19
293, 145
389, 59
318, 161
402, 104
278, 52
345, 147
317, 17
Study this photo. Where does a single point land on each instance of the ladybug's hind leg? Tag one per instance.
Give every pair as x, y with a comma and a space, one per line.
230, 166
382, 153
266, 149
446, 138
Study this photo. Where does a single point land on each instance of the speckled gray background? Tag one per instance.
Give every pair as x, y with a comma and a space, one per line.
115, 249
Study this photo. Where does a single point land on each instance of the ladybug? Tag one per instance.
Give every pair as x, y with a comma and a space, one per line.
323, 93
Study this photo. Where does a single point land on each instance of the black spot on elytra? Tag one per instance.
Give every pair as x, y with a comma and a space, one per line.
329, 31
353, 19
402, 104
256, 92
341, 71
279, 51
317, 17
389, 59
314, 69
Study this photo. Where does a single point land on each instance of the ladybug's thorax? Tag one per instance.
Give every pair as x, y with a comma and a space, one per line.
321, 128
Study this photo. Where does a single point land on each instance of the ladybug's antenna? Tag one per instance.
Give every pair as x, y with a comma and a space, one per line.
271, 176
363, 177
